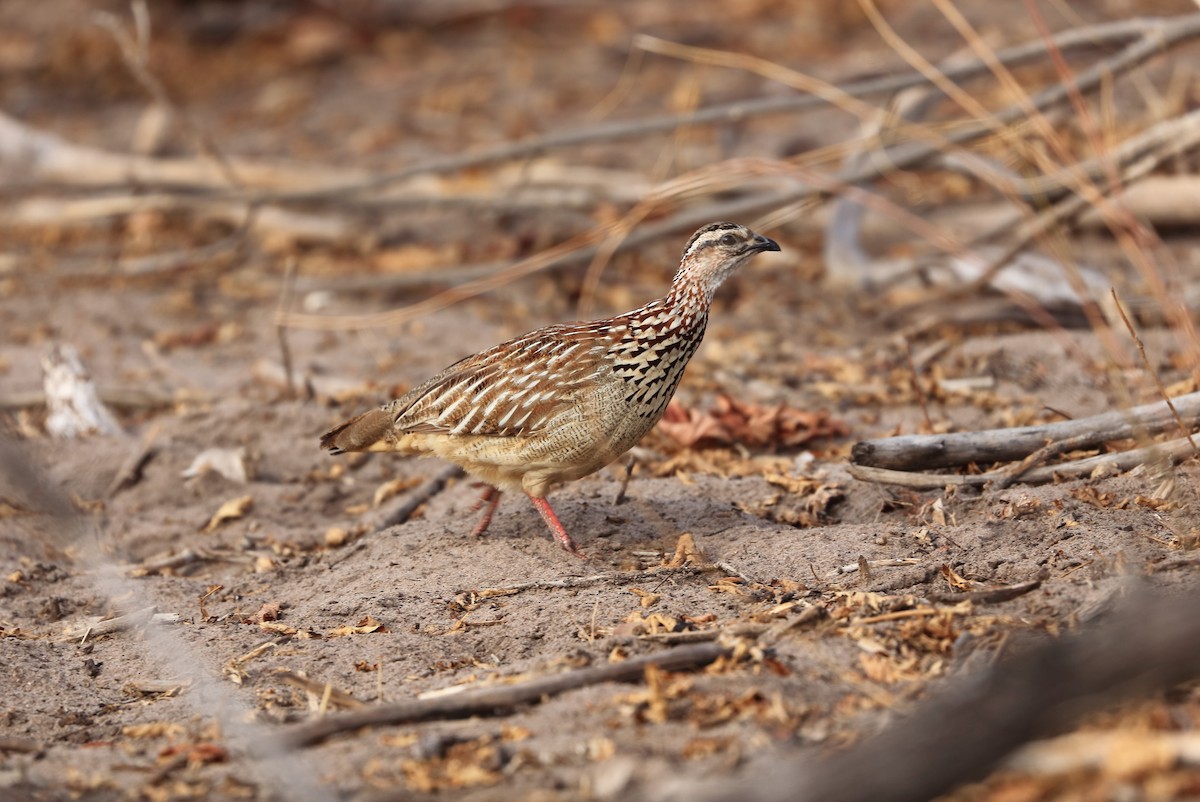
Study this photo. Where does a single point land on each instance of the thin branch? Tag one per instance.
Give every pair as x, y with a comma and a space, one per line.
1098, 36
499, 699
901, 156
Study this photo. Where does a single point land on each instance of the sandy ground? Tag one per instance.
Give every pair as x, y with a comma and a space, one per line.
298, 603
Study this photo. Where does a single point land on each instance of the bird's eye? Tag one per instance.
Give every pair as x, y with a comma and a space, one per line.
728, 241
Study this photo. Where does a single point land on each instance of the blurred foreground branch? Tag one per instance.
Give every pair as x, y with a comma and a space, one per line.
965, 732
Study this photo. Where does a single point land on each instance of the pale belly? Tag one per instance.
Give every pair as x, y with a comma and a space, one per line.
579, 441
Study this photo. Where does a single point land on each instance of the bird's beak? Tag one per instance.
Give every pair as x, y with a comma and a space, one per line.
762, 243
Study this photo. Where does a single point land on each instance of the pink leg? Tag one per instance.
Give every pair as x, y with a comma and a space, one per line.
556, 528
488, 503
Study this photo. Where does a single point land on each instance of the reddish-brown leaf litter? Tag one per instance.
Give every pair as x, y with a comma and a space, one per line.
181, 592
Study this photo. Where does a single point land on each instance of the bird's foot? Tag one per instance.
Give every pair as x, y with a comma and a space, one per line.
488, 503
556, 527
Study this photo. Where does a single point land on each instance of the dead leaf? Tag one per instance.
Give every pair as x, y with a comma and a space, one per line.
268, 612
364, 627
956, 581
464, 765
1103, 501
229, 511
754, 425
806, 503
645, 597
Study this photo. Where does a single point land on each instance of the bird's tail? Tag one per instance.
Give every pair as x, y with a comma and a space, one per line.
362, 433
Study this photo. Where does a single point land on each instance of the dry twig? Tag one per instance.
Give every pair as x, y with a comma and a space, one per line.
502, 698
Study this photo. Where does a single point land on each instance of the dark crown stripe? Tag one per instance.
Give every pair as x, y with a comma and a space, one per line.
706, 230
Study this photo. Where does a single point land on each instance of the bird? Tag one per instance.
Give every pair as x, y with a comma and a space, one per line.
561, 402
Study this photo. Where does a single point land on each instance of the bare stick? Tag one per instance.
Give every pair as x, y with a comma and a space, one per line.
1171, 451
850, 568
127, 396
500, 699
189, 556
566, 583
283, 225
93, 629
1181, 135
922, 451
986, 596
765, 633
152, 264
1049, 451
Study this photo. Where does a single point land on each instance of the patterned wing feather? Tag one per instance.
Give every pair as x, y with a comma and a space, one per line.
516, 388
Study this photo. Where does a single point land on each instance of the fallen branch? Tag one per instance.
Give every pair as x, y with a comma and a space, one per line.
850, 568
95, 628
499, 699
125, 396
1172, 451
765, 633
923, 451
29, 154
159, 564
281, 225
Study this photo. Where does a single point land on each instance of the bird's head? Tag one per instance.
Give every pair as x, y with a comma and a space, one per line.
715, 251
